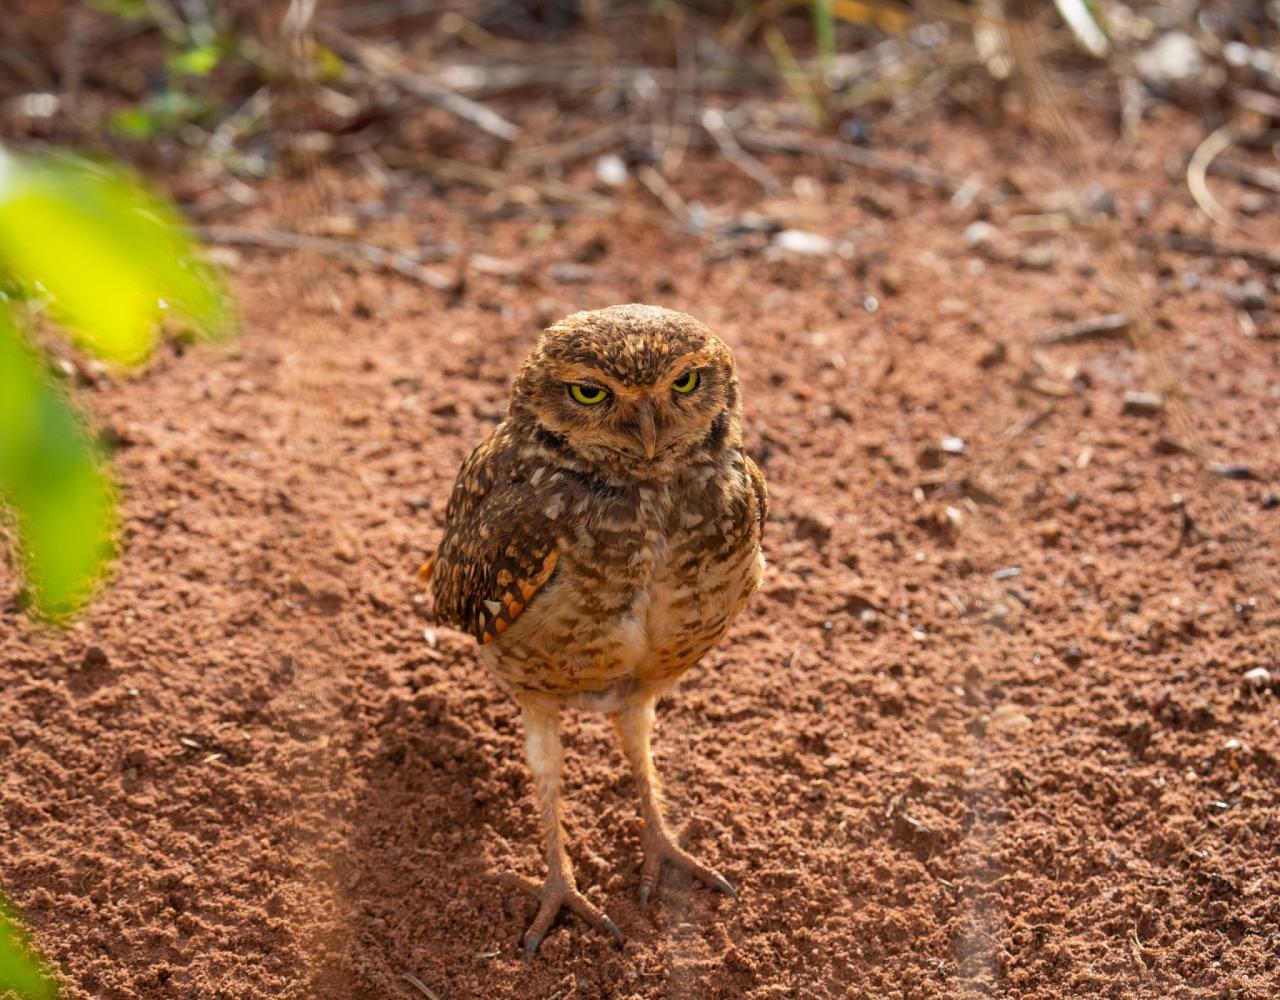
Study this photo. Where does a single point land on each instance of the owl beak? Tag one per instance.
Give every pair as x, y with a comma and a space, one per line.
648, 428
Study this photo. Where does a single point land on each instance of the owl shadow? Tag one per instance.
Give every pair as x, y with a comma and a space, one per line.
417, 875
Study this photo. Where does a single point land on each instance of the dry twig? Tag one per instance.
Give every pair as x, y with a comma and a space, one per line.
525, 191
379, 61
1111, 325
400, 261
556, 154
794, 142
1264, 178
1214, 143
1185, 243
665, 193
420, 986
713, 121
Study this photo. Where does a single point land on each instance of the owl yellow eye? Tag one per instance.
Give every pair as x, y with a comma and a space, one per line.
686, 382
587, 395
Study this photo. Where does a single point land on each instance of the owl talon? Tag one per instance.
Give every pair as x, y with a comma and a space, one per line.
553, 895
660, 849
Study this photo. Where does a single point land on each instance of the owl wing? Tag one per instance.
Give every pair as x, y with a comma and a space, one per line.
499, 549
762, 494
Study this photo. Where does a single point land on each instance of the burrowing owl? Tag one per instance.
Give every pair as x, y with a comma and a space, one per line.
599, 543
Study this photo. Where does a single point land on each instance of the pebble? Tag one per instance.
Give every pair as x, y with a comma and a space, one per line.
998, 614
572, 274
1173, 58
611, 170
1232, 470
1253, 203
1009, 718
801, 242
995, 354
981, 236
1040, 257
1100, 199
1250, 294
1143, 404
952, 445
1258, 677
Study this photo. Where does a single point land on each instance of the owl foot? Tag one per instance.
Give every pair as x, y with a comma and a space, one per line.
552, 895
660, 849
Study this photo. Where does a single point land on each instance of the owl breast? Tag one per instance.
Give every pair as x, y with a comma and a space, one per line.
646, 584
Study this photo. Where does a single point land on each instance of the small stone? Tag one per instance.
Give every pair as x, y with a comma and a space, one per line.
800, 242
1040, 257
930, 457
1143, 404
952, 445
994, 355
998, 614
572, 274
981, 236
1009, 718
1258, 677
1233, 470
1253, 203
95, 657
891, 280
1247, 295
611, 170
1100, 199
1173, 58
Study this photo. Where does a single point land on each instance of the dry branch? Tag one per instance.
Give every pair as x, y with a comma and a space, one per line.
382, 62
1111, 325
400, 261
1184, 243
794, 142
1214, 143
713, 121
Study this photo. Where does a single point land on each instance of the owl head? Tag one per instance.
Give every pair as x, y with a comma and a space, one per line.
631, 391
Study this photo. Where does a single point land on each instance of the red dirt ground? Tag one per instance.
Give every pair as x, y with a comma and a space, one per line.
248, 774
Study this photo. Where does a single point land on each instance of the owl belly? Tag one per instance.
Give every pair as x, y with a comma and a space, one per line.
594, 642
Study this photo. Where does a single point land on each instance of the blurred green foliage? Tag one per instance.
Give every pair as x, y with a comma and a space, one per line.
19, 971
51, 477
92, 246
109, 256
108, 259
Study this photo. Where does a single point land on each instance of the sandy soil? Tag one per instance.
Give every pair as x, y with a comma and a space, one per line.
256, 770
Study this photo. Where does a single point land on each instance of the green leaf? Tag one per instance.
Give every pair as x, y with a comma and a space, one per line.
328, 64
824, 30
135, 123
163, 113
128, 10
110, 256
19, 971
51, 478
198, 61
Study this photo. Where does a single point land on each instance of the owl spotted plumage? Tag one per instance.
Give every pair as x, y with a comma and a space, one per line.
600, 542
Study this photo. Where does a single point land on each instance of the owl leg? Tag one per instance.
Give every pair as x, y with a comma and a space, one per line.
635, 727
542, 733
